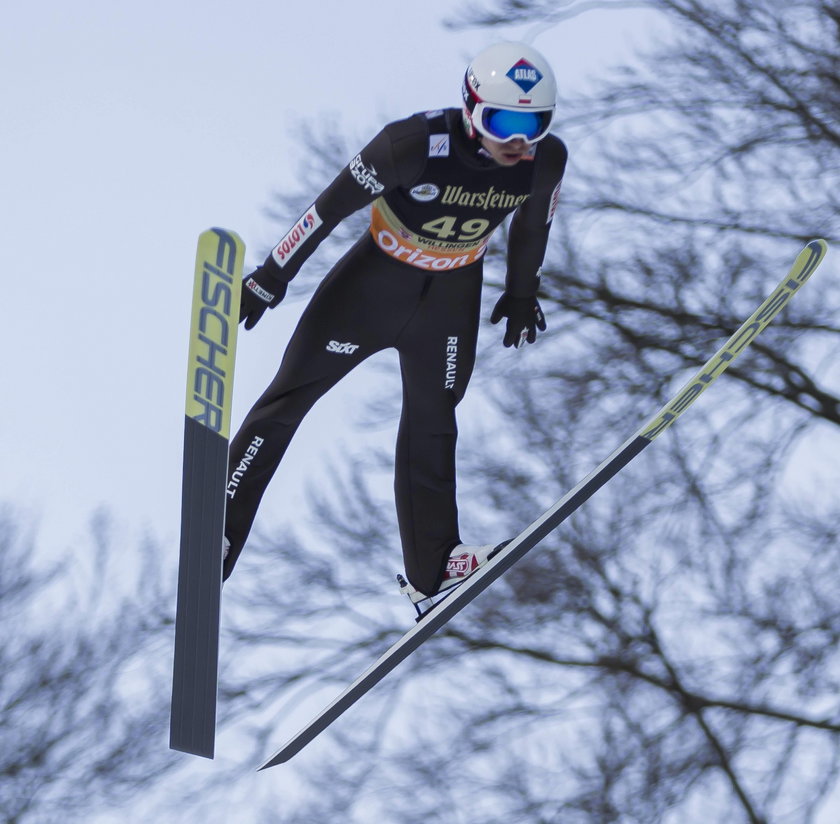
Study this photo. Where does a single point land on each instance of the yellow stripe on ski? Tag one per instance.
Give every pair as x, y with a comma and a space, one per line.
215, 319
806, 262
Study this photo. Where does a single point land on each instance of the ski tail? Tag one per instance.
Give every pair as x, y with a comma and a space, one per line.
212, 353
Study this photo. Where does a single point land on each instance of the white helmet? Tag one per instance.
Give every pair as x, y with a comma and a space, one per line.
509, 91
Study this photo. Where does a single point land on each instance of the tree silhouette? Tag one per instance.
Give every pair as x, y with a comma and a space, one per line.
83, 716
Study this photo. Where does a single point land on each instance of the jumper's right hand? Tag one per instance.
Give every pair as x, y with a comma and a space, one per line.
260, 291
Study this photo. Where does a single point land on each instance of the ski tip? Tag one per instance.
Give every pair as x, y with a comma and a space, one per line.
808, 260
225, 235
818, 245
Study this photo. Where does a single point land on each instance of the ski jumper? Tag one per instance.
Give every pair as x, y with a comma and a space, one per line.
412, 283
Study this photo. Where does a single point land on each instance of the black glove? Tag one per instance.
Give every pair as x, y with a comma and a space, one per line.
524, 318
260, 291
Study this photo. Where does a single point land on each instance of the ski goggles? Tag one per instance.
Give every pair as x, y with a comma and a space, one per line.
507, 124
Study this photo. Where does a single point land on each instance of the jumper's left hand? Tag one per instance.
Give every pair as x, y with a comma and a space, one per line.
524, 317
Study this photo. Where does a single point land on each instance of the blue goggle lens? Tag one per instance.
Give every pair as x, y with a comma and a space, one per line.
504, 124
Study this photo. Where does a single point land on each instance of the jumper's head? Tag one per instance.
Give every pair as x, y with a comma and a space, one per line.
509, 92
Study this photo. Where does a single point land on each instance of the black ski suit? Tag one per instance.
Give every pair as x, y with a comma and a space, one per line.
412, 283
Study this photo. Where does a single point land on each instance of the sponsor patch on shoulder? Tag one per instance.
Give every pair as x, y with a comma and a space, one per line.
365, 175
438, 145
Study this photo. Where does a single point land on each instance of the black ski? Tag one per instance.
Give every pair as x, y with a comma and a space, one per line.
215, 317
806, 263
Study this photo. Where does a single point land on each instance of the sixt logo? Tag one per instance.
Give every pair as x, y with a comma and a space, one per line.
342, 348
525, 75
212, 331
296, 235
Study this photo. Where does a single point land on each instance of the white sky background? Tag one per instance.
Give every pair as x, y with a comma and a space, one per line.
127, 129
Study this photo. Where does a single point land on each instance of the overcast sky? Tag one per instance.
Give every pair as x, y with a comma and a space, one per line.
127, 129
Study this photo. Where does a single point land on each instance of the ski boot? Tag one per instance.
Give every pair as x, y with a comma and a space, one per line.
463, 561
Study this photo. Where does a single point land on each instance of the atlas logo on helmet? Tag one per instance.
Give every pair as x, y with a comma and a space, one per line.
525, 75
